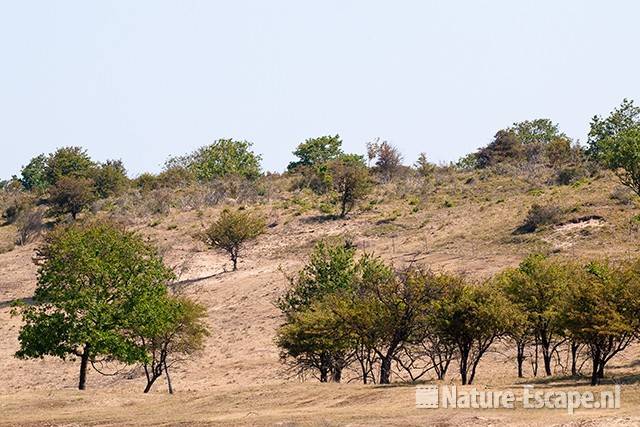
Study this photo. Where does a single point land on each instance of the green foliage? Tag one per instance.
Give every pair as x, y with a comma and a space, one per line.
71, 195
34, 174
602, 310
110, 178
626, 116
331, 267
349, 178
173, 331
540, 215
90, 279
621, 153
538, 131
537, 287
68, 162
317, 151
222, 158
472, 318
232, 230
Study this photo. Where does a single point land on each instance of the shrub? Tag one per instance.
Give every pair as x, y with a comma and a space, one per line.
231, 231
317, 151
622, 195
29, 224
34, 174
222, 158
424, 167
18, 205
570, 175
540, 215
350, 180
68, 161
71, 195
110, 178
388, 160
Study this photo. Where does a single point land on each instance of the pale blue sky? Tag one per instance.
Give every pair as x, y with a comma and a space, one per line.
143, 80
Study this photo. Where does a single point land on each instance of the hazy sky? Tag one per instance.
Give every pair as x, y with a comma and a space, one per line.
142, 80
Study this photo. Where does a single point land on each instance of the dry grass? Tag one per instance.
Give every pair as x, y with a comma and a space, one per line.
457, 224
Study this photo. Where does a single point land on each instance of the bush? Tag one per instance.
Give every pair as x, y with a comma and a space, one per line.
622, 195
539, 216
110, 178
17, 205
68, 161
34, 174
350, 180
570, 175
222, 158
71, 195
232, 231
317, 151
29, 225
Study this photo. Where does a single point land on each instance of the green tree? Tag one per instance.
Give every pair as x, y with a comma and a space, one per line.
349, 178
537, 131
172, 332
389, 311
313, 338
71, 195
621, 154
91, 278
34, 174
472, 318
232, 231
538, 288
110, 178
626, 116
68, 161
602, 311
317, 151
222, 158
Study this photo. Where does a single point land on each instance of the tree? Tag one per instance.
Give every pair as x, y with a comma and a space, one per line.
312, 337
602, 311
621, 153
232, 230
472, 318
626, 116
71, 195
350, 180
68, 162
389, 161
537, 131
91, 278
317, 151
389, 310
109, 178
170, 333
505, 147
423, 166
537, 288
222, 158
34, 174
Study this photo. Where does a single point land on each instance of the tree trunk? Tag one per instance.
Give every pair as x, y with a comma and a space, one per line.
520, 358
166, 371
601, 369
324, 375
336, 375
385, 370
234, 260
464, 358
546, 357
150, 384
574, 358
84, 362
595, 366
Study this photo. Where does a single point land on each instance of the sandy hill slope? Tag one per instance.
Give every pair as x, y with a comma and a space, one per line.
465, 226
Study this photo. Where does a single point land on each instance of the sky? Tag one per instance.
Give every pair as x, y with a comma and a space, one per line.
142, 80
